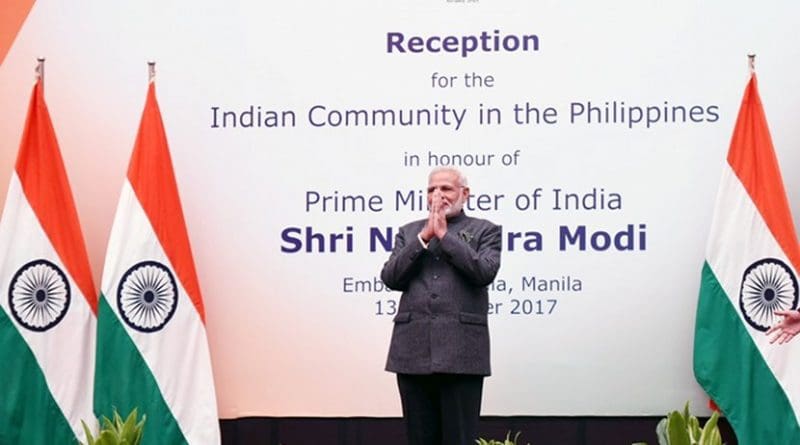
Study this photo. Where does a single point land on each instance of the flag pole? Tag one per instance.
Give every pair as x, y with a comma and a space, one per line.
751, 62
40, 71
151, 72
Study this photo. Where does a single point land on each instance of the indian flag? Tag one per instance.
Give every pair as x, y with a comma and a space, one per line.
47, 320
750, 271
152, 351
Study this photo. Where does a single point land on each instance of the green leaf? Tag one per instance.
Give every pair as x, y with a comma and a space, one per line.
661, 432
107, 437
693, 427
105, 424
716, 438
139, 431
676, 429
508, 440
127, 431
117, 420
707, 436
115, 431
89, 437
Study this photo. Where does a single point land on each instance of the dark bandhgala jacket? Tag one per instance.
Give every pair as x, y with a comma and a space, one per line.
441, 324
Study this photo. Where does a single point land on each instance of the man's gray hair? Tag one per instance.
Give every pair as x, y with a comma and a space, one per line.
462, 179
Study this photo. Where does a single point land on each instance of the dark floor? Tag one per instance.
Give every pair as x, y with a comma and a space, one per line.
389, 431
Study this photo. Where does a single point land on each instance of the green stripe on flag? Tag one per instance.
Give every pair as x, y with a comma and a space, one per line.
730, 368
124, 381
28, 412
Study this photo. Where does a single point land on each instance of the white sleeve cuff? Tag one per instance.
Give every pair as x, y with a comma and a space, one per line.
424, 244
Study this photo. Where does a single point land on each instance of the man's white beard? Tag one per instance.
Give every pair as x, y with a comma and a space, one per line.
453, 209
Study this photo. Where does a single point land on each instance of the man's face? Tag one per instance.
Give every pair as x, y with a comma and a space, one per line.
445, 186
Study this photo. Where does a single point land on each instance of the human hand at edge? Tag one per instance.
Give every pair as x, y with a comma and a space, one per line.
786, 330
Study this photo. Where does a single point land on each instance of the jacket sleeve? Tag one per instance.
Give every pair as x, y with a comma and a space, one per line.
404, 262
478, 266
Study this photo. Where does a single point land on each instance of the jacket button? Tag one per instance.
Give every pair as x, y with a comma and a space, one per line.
434, 295
436, 277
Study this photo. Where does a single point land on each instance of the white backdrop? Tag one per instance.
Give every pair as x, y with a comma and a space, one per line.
291, 334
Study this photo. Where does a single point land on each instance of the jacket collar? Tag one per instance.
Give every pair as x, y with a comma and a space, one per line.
457, 218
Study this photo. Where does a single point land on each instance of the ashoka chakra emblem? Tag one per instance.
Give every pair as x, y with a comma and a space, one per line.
768, 285
147, 296
39, 295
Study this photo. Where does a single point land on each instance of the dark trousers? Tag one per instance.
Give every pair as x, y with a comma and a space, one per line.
441, 409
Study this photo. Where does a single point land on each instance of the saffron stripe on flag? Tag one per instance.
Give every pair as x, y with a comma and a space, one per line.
758, 171
45, 183
153, 180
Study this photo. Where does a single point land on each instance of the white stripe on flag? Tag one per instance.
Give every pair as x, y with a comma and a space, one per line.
65, 353
173, 352
735, 213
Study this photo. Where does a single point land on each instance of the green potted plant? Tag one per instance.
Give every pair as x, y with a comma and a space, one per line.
682, 428
117, 432
508, 440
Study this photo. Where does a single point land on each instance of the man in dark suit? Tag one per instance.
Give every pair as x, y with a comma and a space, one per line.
440, 342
